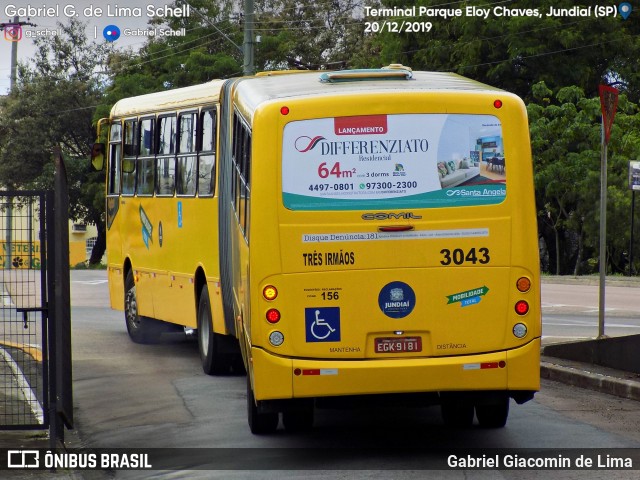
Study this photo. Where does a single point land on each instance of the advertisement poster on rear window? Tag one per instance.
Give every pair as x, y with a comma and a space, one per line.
393, 161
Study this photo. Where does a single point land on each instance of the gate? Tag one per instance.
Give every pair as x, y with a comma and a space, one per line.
35, 337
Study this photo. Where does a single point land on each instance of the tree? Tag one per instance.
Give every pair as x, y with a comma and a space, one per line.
565, 136
308, 35
515, 52
52, 104
207, 51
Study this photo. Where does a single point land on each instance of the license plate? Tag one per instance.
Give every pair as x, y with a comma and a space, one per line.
398, 345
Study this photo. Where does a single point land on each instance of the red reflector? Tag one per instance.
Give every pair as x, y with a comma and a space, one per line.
488, 365
284, 110
311, 372
273, 315
522, 307
396, 228
497, 103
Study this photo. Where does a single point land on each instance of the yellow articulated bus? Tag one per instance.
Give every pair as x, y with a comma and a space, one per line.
341, 235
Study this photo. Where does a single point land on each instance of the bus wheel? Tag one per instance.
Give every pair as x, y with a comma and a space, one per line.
457, 413
493, 415
213, 362
299, 418
259, 422
141, 329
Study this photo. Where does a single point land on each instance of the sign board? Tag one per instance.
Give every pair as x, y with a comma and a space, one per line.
634, 176
609, 104
393, 162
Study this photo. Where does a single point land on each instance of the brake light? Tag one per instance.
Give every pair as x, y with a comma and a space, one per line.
497, 103
522, 307
273, 315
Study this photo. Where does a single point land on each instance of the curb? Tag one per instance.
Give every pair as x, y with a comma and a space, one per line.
591, 377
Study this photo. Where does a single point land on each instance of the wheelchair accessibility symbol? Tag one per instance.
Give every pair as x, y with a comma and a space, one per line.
322, 324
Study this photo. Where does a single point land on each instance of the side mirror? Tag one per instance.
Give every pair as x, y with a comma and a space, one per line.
97, 156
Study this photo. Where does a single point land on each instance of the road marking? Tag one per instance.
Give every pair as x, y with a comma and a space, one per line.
90, 282
6, 299
34, 350
24, 386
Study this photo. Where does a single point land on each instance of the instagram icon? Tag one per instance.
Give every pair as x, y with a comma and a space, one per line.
13, 33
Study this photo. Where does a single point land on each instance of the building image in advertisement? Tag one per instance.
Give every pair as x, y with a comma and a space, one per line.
340, 235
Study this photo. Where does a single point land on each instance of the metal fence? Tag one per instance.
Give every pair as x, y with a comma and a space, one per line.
35, 310
24, 403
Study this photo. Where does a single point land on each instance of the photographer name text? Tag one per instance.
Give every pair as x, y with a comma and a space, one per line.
94, 11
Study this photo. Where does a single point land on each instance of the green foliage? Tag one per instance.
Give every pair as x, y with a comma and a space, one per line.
308, 35
208, 51
566, 144
518, 52
52, 104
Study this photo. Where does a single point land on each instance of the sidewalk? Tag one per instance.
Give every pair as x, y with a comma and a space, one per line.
591, 377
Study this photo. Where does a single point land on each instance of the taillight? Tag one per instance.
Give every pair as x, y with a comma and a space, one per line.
270, 293
273, 315
523, 284
522, 307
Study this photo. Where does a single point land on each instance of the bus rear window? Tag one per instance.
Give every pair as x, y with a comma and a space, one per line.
393, 161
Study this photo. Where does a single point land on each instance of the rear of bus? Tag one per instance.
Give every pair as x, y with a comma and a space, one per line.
397, 245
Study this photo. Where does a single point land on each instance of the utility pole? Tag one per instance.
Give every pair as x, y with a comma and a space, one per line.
608, 105
14, 31
249, 43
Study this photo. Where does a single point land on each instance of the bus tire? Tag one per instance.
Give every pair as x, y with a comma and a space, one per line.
493, 415
213, 362
141, 329
457, 413
259, 422
298, 419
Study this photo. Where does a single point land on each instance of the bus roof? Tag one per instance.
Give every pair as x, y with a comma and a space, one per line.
268, 86
255, 91
169, 100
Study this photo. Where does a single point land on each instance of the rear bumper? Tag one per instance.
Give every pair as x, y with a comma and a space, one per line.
282, 378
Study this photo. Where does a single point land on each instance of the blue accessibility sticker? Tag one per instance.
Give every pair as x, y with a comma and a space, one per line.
322, 324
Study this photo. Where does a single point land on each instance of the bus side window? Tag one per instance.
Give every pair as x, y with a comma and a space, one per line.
129, 160
235, 174
246, 192
187, 173
115, 150
166, 161
146, 160
207, 156
241, 166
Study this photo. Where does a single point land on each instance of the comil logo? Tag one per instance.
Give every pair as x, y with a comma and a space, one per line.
304, 144
13, 33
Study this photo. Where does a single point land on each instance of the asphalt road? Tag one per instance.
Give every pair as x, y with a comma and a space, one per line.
145, 396
570, 311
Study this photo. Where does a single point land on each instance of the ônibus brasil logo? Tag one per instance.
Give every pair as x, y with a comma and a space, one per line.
304, 144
